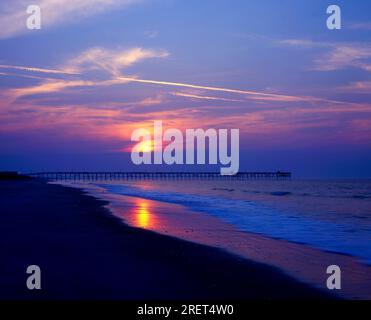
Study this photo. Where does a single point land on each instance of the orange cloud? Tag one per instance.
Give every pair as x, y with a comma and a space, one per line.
48, 87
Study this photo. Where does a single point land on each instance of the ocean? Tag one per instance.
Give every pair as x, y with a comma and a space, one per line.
333, 216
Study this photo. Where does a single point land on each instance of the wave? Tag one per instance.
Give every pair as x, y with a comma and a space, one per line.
281, 193
253, 217
306, 194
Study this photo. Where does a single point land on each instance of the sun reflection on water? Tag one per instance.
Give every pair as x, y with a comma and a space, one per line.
143, 215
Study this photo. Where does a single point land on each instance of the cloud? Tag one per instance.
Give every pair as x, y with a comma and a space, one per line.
111, 61
344, 57
114, 63
152, 34
56, 85
112, 121
300, 43
361, 26
13, 14
338, 56
358, 87
49, 87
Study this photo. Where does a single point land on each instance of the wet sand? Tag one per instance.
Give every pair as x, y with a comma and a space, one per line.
85, 252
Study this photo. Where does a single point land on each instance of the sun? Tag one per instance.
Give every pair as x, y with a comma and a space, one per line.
145, 146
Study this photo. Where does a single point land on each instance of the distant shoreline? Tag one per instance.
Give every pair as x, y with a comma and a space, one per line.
85, 252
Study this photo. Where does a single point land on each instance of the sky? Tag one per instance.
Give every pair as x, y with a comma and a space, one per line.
72, 92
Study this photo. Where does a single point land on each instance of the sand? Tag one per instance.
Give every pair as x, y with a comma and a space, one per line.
85, 253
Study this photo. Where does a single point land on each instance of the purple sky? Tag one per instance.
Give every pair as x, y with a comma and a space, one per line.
72, 92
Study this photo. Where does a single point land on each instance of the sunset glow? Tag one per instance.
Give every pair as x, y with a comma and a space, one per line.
160, 151
294, 92
143, 215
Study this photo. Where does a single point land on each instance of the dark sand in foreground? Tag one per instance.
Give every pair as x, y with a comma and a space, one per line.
86, 253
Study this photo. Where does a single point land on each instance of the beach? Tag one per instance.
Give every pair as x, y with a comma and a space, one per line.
299, 227
85, 252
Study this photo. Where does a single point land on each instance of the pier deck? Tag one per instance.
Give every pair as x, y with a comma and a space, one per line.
94, 176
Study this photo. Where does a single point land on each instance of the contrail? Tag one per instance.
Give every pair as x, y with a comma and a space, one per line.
27, 76
193, 86
257, 95
41, 70
194, 96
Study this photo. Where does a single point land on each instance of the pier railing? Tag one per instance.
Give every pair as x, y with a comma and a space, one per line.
94, 176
